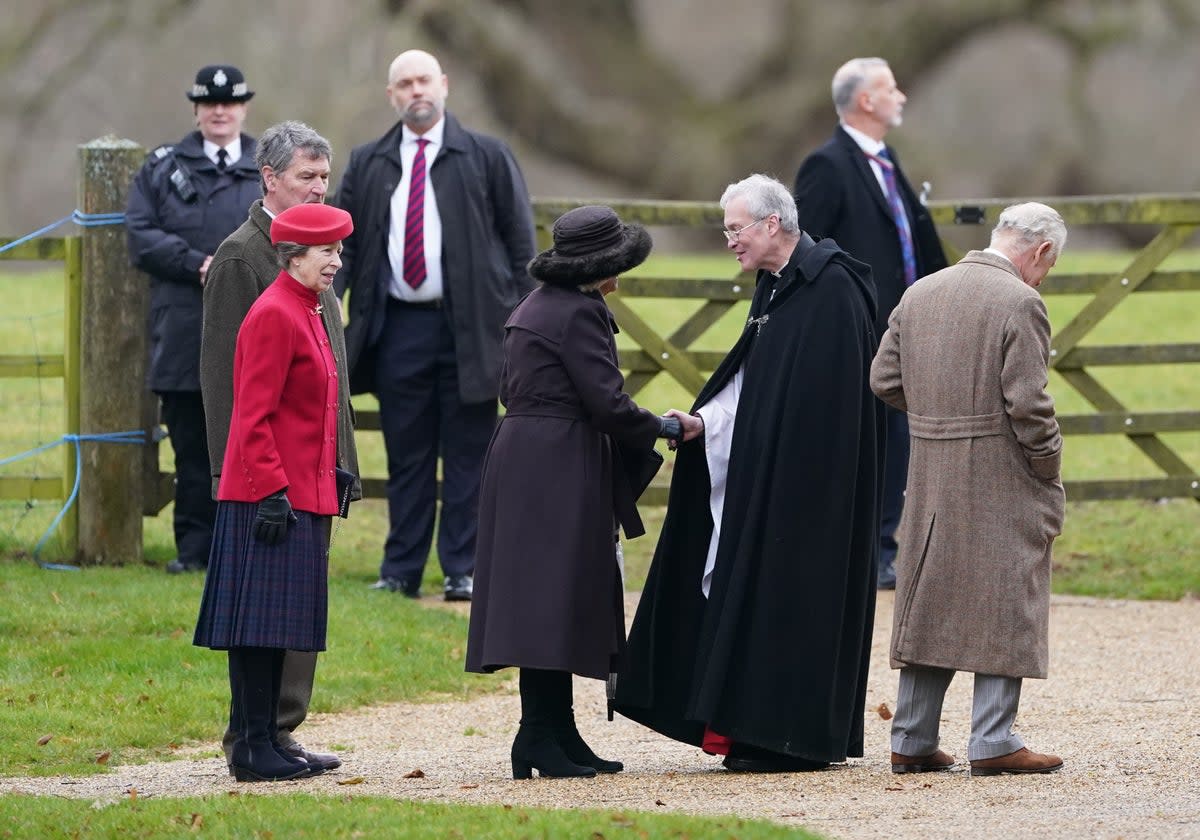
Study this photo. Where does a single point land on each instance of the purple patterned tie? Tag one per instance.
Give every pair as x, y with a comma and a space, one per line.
414, 221
907, 253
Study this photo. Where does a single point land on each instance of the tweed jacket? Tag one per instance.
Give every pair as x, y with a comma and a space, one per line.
965, 354
242, 268
282, 433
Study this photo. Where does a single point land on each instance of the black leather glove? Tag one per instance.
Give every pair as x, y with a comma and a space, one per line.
671, 429
273, 517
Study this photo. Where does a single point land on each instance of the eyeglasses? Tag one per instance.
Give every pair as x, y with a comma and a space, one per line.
732, 236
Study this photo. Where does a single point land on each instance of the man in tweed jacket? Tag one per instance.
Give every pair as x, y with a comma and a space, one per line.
965, 355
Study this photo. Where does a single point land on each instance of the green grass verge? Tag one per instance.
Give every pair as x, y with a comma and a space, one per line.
102, 661
257, 816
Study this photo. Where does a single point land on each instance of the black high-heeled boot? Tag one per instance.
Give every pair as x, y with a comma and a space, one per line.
537, 742
255, 758
559, 685
536, 747
579, 752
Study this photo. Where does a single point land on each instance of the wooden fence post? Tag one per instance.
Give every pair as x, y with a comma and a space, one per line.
112, 338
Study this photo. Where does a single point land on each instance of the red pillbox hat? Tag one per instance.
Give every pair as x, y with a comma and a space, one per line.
311, 224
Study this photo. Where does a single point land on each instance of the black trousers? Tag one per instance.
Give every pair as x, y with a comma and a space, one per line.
423, 418
195, 510
895, 478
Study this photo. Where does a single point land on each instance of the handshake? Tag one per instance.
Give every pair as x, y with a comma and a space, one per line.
678, 427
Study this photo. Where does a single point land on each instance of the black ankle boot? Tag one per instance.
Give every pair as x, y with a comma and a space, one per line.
255, 758
537, 746
577, 750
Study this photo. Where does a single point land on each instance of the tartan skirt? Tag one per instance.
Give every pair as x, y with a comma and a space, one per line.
259, 595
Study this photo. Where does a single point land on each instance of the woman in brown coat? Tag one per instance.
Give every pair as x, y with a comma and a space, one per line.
560, 474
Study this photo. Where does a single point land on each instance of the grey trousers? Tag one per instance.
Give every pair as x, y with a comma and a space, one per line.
919, 711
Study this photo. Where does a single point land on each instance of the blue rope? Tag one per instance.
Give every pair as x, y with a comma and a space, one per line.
97, 219
136, 436
78, 217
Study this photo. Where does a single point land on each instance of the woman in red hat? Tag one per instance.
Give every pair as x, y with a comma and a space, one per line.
266, 590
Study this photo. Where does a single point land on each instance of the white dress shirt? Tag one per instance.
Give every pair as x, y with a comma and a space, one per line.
232, 152
431, 289
870, 146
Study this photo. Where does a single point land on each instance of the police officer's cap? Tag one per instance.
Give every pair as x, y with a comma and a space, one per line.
220, 83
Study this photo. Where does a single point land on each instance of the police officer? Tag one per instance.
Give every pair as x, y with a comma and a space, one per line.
183, 202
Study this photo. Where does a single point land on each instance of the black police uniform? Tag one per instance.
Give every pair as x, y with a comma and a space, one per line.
181, 207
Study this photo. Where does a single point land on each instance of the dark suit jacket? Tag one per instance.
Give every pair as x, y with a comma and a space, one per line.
837, 195
487, 241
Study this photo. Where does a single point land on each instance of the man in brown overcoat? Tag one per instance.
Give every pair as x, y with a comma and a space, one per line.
965, 355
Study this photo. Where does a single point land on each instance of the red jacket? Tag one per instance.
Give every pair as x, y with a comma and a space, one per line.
285, 395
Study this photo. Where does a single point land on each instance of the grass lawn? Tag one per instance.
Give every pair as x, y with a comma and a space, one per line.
304, 816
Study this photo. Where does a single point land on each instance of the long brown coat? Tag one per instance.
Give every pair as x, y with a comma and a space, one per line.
965, 355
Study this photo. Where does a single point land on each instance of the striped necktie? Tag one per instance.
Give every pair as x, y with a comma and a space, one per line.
414, 221
908, 254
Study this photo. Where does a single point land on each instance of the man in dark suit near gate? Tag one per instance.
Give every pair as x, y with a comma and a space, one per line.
853, 190
443, 230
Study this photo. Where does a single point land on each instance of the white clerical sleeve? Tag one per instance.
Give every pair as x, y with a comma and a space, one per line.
718, 415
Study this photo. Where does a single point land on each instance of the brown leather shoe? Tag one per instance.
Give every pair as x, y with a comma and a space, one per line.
1021, 761
937, 760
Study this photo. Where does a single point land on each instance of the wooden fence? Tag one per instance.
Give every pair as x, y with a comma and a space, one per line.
104, 356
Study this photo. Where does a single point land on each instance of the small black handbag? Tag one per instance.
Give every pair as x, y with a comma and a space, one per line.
345, 481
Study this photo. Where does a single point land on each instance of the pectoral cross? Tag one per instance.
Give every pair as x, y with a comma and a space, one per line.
318, 309
757, 323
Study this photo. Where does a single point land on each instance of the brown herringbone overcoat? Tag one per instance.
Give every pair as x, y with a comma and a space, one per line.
965, 354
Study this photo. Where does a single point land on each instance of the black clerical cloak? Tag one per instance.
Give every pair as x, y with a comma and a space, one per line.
777, 656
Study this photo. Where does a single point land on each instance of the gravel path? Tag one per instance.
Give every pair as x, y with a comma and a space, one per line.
1121, 707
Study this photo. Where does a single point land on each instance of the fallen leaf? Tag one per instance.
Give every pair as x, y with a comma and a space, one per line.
58, 672
353, 780
884, 711
177, 632
142, 698
44, 740
797, 814
415, 774
893, 788
469, 787
659, 802
54, 595
103, 757
197, 822
132, 793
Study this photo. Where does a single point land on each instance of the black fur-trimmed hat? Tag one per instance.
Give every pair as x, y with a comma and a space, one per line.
590, 243
220, 83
